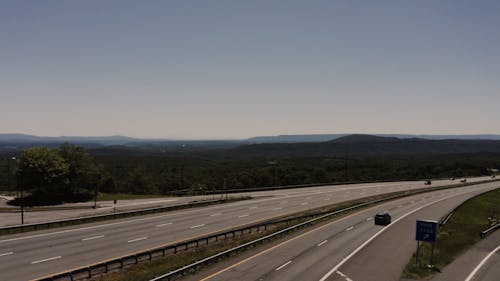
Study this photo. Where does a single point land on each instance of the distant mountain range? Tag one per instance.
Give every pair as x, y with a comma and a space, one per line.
297, 145
328, 137
369, 145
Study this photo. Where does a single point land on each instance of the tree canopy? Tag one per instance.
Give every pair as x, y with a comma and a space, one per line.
52, 176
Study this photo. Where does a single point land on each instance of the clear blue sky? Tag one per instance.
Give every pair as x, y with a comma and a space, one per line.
233, 69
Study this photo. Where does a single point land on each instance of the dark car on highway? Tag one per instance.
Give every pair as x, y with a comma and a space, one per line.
382, 218
428, 182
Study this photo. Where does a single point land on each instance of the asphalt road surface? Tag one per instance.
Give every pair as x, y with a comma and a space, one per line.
35, 254
480, 263
351, 248
9, 218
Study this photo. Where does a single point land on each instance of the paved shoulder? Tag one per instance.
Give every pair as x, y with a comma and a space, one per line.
468, 261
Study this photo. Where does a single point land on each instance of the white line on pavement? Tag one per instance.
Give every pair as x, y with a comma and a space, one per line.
163, 224
92, 238
6, 254
196, 226
138, 239
471, 275
216, 214
349, 228
242, 216
322, 243
343, 261
287, 263
344, 276
49, 259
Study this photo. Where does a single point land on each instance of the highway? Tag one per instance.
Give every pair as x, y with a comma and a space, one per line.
75, 210
351, 248
51, 251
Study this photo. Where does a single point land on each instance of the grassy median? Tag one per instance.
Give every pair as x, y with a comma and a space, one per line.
456, 236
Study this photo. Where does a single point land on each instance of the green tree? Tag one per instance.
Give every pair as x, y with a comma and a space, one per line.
139, 181
83, 172
43, 171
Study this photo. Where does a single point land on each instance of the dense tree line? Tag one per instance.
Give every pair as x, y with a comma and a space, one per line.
70, 173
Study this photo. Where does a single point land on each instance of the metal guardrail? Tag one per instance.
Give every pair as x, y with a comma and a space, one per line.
115, 215
490, 230
89, 271
171, 275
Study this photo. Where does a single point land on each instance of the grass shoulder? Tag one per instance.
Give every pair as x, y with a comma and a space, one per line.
456, 236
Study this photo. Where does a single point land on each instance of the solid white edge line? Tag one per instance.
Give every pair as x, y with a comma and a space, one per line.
44, 260
343, 261
344, 276
195, 210
138, 239
6, 254
285, 264
92, 238
471, 275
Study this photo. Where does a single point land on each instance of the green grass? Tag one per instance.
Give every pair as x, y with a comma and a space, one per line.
461, 232
125, 196
151, 269
148, 270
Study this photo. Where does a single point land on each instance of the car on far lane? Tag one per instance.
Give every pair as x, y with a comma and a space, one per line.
463, 180
382, 218
428, 182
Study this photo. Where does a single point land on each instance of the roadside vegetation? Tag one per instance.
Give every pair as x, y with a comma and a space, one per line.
456, 236
70, 173
162, 265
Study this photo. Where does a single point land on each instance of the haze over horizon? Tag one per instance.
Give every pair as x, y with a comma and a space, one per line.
227, 69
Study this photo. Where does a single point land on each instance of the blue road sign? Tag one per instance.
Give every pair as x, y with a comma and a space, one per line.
426, 231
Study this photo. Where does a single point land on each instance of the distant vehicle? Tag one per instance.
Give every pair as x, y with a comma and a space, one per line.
463, 180
428, 182
452, 178
493, 176
383, 218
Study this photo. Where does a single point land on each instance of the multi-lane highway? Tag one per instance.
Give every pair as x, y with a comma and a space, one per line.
31, 255
351, 248
74, 210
